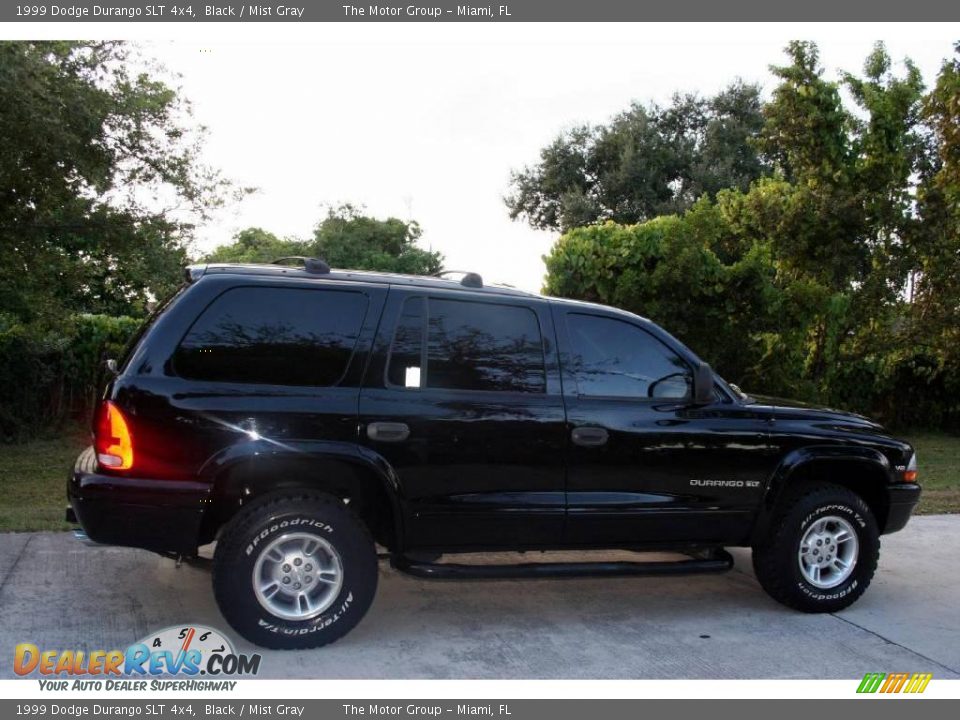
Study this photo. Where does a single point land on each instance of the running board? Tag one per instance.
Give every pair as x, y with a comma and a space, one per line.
716, 562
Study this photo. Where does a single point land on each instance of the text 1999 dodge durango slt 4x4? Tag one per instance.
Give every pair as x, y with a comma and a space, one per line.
300, 416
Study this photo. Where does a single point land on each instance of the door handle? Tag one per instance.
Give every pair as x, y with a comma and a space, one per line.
589, 436
388, 431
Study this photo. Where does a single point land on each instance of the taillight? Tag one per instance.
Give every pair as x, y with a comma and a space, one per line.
910, 474
112, 440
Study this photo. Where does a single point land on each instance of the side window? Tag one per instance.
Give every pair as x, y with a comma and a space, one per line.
483, 346
613, 358
406, 353
274, 336
470, 346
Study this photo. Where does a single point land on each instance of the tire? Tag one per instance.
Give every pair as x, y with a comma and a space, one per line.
827, 513
310, 541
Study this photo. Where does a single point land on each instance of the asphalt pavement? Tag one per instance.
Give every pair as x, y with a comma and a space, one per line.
58, 593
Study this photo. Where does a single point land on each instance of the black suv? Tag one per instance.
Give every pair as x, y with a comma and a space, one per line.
300, 416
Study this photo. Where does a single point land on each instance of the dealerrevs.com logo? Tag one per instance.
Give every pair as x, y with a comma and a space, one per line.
179, 651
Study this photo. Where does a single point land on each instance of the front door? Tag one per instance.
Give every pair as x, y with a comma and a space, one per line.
646, 465
463, 401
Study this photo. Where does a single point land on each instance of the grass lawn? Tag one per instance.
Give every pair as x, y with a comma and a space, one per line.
33, 478
33, 481
939, 462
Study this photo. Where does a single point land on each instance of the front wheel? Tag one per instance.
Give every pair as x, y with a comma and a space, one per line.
822, 550
295, 571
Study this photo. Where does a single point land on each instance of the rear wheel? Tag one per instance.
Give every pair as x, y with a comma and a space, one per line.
822, 550
295, 571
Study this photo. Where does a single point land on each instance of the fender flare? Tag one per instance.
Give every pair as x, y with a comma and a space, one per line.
800, 458
237, 455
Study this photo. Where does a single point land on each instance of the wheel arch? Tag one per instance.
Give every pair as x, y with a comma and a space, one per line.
364, 480
864, 471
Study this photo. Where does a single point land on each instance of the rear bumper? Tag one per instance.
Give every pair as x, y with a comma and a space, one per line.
902, 499
159, 515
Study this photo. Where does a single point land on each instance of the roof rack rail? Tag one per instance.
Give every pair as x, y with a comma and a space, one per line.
469, 279
311, 265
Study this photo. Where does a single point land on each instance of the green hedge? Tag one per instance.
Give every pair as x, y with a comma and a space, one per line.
49, 375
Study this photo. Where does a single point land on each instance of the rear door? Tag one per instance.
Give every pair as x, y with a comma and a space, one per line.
463, 401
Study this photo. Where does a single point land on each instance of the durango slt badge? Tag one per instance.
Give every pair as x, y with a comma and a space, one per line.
726, 483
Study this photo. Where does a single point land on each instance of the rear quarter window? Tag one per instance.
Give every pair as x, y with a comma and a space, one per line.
273, 336
134, 342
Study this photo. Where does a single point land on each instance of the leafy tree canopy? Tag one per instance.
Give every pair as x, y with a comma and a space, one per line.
349, 239
256, 245
99, 180
935, 240
834, 277
345, 238
648, 161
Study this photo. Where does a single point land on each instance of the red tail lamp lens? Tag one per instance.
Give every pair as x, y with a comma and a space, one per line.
112, 439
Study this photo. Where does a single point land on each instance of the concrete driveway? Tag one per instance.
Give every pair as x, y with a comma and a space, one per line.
58, 593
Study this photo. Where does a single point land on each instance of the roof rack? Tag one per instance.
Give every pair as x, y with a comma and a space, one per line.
469, 279
311, 265
192, 273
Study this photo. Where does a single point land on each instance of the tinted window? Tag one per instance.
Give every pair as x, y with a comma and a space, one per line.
141, 332
614, 358
484, 346
276, 336
470, 346
406, 356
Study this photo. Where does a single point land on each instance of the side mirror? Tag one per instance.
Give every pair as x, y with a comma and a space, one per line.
111, 366
703, 384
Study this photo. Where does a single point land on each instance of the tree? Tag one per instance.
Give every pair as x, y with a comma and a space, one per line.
806, 127
888, 150
931, 356
255, 245
840, 204
937, 243
799, 285
89, 150
647, 161
806, 133
347, 238
664, 267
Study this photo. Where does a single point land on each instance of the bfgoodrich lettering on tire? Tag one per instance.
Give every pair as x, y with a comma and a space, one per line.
821, 552
295, 571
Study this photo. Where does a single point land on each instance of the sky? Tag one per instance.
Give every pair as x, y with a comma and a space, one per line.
426, 121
